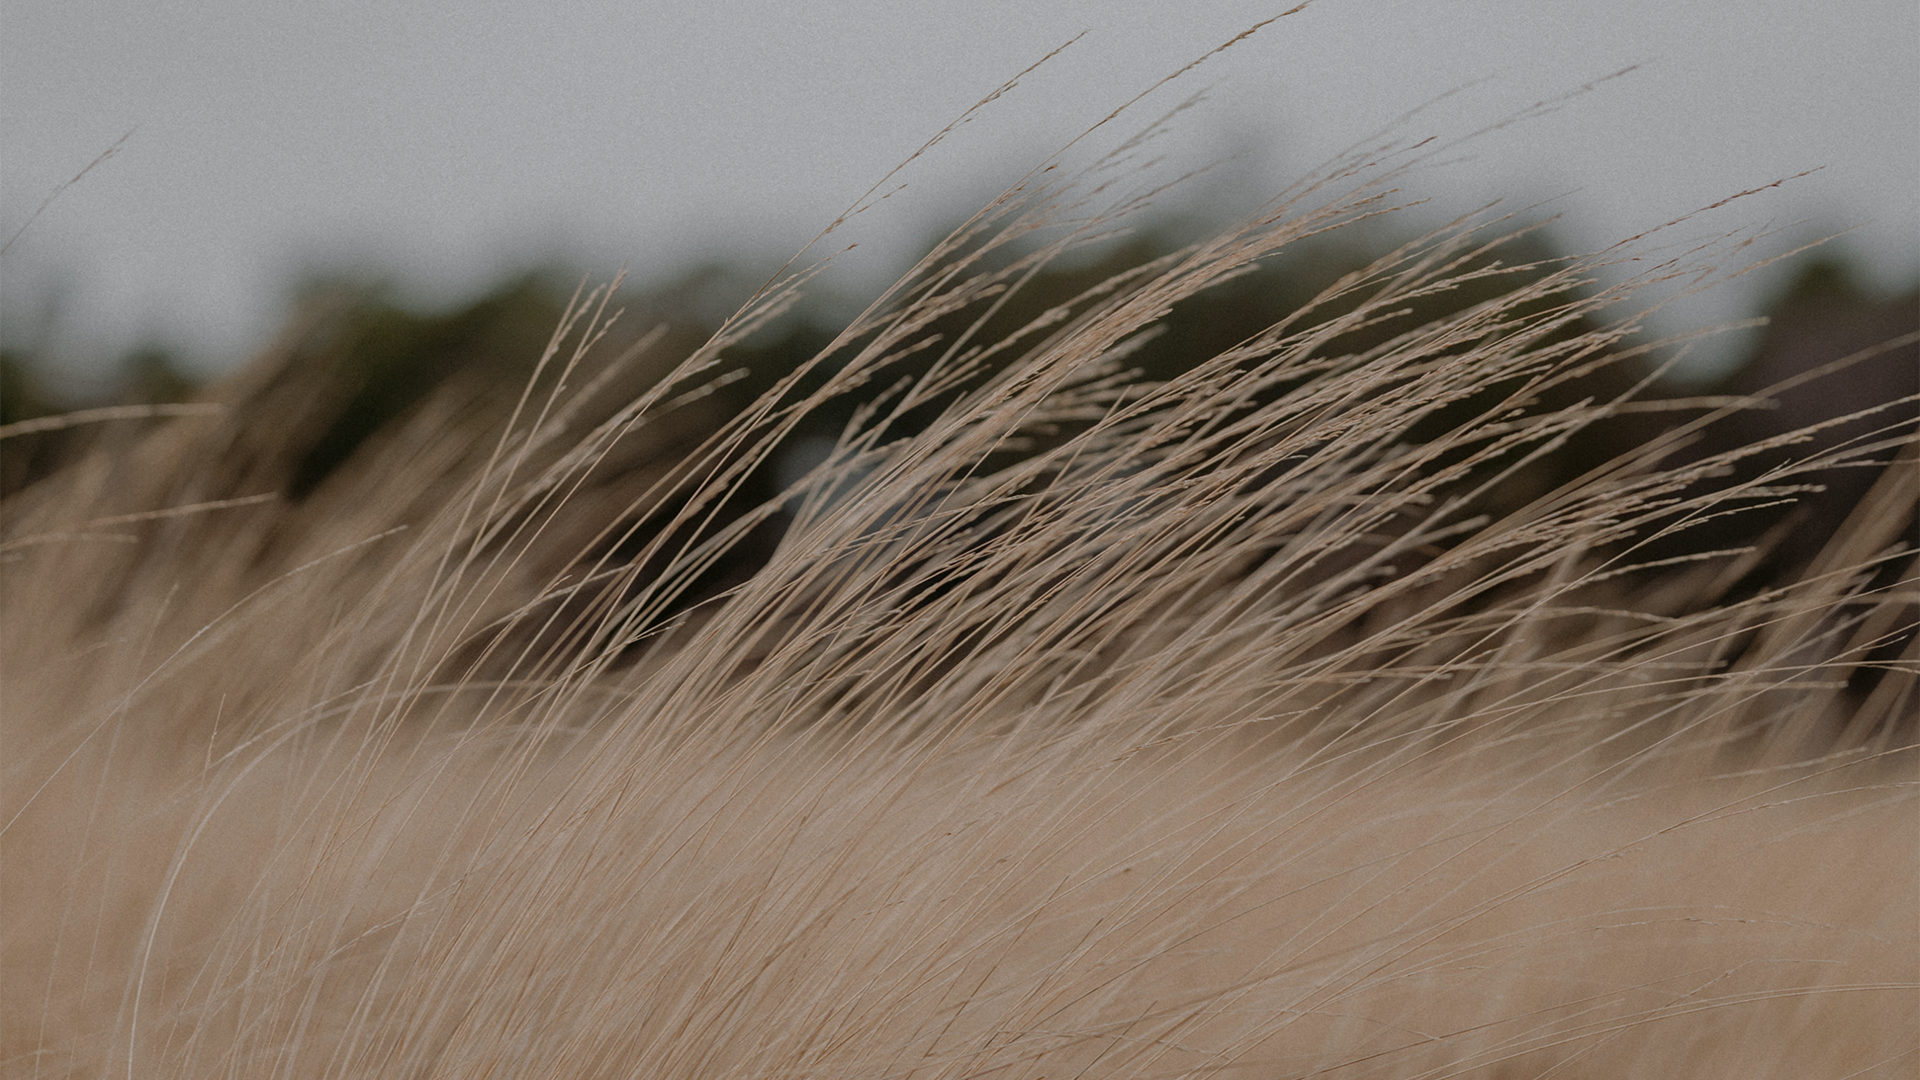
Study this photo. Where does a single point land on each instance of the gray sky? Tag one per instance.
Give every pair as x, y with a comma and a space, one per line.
446, 141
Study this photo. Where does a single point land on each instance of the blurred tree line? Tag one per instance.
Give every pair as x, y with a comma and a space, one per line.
366, 362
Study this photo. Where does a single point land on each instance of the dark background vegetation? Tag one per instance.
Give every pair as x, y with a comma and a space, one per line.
369, 361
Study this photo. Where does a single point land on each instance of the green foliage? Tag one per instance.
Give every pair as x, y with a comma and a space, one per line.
384, 360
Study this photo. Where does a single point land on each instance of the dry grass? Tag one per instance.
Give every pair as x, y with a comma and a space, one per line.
1095, 728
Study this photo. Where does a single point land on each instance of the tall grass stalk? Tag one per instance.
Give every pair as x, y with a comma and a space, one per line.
1077, 725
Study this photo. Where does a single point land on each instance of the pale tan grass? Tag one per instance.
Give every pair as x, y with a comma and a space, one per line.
1222, 730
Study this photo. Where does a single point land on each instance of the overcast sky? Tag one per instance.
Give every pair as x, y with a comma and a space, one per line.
447, 141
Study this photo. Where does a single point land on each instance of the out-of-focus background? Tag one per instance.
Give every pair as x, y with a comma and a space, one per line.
445, 146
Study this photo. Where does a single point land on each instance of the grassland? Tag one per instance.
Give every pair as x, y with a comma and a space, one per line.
1282, 715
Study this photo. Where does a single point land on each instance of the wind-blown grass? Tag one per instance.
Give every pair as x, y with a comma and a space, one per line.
1076, 725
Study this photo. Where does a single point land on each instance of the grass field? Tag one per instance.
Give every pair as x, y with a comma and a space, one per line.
1281, 717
